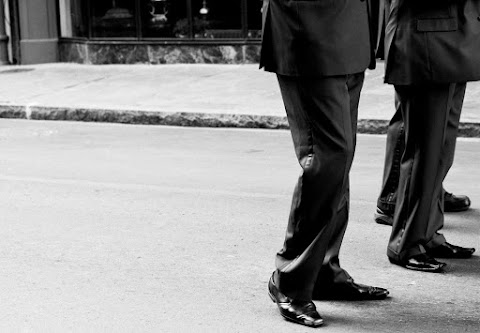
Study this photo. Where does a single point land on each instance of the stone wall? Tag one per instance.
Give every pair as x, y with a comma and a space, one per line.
143, 53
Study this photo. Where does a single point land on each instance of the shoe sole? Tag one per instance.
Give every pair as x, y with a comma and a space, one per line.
436, 270
456, 210
464, 256
413, 268
353, 299
453, 257
301, 322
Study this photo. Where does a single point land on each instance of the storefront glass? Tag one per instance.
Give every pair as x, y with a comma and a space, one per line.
161, 19
73, 21
113, 18
254, 17
217, 19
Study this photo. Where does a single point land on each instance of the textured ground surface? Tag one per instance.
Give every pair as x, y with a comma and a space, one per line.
124, 228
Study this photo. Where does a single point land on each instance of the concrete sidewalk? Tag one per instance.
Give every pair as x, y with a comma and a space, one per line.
185, 95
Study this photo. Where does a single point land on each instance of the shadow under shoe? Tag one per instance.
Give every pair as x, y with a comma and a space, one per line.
300, 312
350, 291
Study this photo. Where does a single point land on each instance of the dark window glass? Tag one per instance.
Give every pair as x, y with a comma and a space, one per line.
200, 19
254, 18
217, 18
164, 18
113, 18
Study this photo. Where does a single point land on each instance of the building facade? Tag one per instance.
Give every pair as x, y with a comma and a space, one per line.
136, 31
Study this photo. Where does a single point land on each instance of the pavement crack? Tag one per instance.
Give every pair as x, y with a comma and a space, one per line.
86, 82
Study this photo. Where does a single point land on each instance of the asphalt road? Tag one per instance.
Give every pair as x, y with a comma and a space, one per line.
122, 228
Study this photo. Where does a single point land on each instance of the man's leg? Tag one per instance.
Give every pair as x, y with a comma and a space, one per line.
324, 135
323, 127
319, 115
447, 250
331, 272
454, 203
394, 151
419, 212
391, 173
333, 282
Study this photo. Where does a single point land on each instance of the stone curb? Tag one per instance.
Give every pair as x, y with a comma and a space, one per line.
367, 126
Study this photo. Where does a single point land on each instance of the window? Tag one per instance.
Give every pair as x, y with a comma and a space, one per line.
73, 21
164, 18
161, 19
217, 19
113, 18
254, 17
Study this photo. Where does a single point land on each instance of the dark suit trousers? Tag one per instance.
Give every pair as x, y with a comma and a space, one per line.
322, 114
393, 154
431, 115
395, 147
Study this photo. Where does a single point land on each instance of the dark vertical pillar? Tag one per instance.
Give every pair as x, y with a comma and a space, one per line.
14, 31
3, 37
244, 8
38, 31
191, 30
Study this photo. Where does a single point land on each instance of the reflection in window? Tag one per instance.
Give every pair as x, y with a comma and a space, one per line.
72, 18
254, 17
200, 19
113, 18
164, 18
217, 18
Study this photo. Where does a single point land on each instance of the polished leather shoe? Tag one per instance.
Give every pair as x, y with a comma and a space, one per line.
350, 291
451, 203
447, 250
383, 217
420, 262
455, 203
300, 312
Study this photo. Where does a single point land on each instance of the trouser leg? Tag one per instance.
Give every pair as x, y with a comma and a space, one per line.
396, 145
418, 215
453, 123
393, 154
320, 116
331, 272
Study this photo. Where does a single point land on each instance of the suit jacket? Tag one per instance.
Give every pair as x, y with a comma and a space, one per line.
432, 41
316, 37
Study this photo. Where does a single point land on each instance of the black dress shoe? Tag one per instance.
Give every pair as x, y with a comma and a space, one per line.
451, 203
350, 291
447, 250
300, 312
455, 203
421, 262
383, 217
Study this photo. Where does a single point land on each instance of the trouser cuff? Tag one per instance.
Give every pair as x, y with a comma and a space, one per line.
405, 255
437, 240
